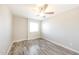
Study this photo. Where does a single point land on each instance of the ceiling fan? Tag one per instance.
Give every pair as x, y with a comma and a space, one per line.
42, 9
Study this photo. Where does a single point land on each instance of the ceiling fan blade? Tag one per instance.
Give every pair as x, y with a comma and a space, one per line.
45, 6
49, 12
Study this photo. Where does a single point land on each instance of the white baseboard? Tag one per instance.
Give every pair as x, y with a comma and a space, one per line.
9, 48
18, 40
62, 45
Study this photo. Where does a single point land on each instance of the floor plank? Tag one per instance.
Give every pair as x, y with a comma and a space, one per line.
38, 47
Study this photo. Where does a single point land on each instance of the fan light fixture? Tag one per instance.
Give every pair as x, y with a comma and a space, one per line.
44, 9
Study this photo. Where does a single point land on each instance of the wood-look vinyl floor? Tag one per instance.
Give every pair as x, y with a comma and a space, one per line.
38, 47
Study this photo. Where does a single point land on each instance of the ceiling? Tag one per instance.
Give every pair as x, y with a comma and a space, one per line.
28, 10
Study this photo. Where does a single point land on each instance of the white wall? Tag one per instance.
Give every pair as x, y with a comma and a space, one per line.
33, 35
5, 29
20, 28
63, 28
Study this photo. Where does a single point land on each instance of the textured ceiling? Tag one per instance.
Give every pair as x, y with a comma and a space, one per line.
28, 10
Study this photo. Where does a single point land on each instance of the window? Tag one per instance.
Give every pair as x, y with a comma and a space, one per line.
34, 27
